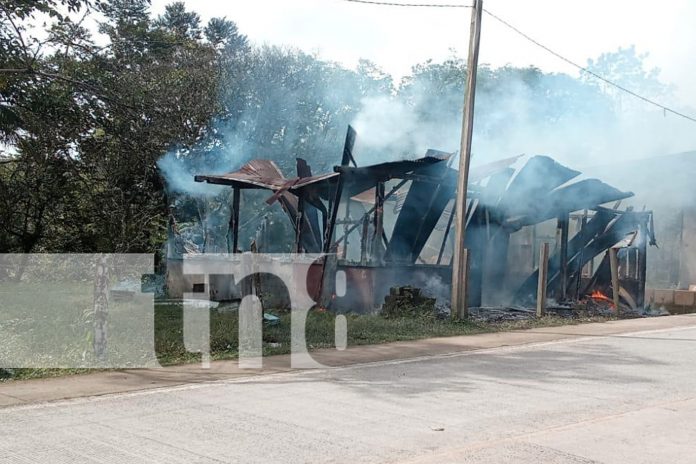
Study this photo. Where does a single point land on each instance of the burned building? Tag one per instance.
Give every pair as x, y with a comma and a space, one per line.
390, 224
666, 184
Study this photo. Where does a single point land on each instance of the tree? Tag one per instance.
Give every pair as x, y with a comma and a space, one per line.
223, 33
183, 24
87, 124
626, 67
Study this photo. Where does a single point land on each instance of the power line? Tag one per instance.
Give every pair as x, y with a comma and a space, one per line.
540, 45
423, 5
591, 73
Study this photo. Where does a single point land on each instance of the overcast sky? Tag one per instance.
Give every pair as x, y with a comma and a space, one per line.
396, 38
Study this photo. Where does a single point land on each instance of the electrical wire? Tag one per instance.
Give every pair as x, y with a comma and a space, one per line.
585, 70
664, 108
418, 5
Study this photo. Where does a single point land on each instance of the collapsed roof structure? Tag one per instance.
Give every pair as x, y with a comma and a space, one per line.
389, 224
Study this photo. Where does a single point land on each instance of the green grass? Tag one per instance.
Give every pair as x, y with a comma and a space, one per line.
362, 330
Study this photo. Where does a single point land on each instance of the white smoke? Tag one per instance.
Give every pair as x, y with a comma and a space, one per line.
572, 120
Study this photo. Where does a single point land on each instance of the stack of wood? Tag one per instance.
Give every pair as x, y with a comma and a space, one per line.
408, 302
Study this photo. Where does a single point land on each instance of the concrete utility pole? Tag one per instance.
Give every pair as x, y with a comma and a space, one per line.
459, 263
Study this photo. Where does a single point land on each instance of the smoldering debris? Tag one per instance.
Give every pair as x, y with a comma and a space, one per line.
408, 302
388, 225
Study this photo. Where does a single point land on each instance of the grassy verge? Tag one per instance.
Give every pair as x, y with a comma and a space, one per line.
362, 330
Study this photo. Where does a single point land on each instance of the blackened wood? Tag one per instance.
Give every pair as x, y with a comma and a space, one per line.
563, 225
377, 246
615, 284
542, 279
351, 135
234, 219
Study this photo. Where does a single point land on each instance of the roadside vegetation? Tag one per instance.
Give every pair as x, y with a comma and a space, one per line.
362, 330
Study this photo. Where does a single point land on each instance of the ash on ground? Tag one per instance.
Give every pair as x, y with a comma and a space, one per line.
412, 302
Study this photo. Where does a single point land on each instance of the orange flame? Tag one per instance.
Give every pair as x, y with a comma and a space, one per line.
597, 295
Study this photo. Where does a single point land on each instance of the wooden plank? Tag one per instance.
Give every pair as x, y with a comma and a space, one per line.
234, 219
299, 220
563, 226
333, 213
364, 238
377, 245
615, 284
543, 277
351, 135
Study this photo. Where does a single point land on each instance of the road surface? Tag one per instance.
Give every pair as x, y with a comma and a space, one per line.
628, 398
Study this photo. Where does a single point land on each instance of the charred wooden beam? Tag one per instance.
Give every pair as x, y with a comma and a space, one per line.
333, 216
364, 238
312, 230
542, 279
563, 227
299, 223
615, 283
348, 146
642, 247
234, 219
345, 229
377, 246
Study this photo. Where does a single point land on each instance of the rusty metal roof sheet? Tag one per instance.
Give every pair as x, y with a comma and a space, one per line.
255, 174
263, 174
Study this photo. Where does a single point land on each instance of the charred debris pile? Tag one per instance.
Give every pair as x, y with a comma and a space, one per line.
390, 225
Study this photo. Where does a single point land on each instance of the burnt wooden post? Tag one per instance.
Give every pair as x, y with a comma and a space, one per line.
364, 238
347, 158
234, 220
563, 226
543, 278
377, 247
334, 202
328, 276
344, 252
299, 220
333, 214
642, 269
615, 284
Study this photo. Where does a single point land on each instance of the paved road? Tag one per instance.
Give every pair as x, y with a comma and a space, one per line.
628, 398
